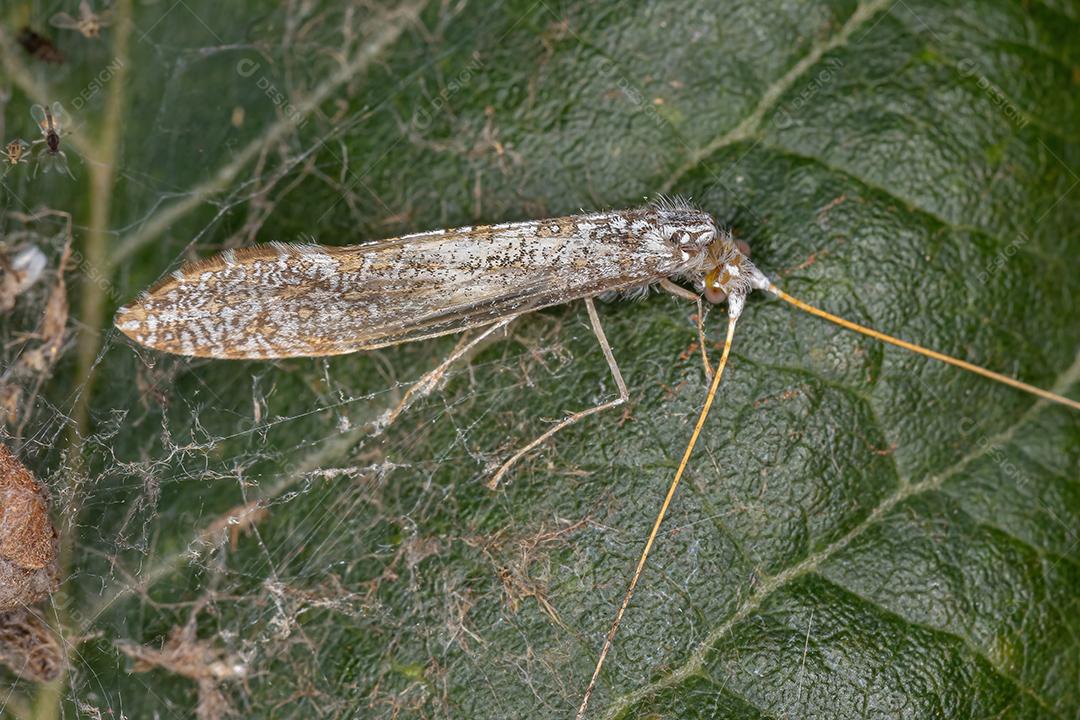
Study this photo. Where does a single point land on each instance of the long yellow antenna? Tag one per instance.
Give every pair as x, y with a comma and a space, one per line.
660, 517
1046, 394
805, 307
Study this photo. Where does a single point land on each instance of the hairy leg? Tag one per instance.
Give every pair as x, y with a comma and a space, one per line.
624, 395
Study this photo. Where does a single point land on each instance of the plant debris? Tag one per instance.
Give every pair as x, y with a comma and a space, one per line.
34, 355
19, 270
201, 660
40, 47
29, 647
29, 572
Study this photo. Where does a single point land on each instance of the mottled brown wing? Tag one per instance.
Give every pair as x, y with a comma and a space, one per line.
275, 301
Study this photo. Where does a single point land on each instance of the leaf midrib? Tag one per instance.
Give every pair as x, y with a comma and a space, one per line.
749, 126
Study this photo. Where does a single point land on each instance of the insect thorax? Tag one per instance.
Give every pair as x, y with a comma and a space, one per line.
711, 259
691, 230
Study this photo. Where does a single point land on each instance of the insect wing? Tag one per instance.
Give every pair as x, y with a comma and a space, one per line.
59, 117
40, 116
277, 301
99, 20
64, 21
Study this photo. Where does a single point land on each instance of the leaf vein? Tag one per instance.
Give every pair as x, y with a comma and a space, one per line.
964, 642
885, 192
748, 127
770, 584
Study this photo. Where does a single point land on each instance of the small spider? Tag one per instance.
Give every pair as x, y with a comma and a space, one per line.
50, 122
89, 22
16, 152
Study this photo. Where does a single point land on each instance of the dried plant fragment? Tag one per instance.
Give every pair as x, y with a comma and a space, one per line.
19, 269
199, 660
27, 537
28, 573
39, 47
30, 359
29, 647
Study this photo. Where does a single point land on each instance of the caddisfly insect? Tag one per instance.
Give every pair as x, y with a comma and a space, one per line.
280, 300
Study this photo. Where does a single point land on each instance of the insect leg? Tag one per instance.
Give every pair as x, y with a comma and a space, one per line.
681, 292
713, 387
624, 395
62, 164
430, 380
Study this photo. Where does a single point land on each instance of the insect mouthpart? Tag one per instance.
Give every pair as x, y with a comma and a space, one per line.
732, 276
718, 283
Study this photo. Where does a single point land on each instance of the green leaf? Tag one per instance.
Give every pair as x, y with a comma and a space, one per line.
861, 532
